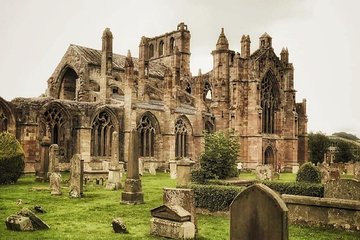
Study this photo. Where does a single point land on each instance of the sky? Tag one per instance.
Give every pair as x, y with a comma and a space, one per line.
323, 38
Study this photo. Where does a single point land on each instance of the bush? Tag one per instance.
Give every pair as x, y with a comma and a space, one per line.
220, 155
11, 158
308, 173
213, 197
297, 188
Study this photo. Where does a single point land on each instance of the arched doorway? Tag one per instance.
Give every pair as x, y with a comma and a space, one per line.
269, 157
67, 89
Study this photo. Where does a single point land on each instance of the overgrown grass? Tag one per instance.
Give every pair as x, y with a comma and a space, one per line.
90, 217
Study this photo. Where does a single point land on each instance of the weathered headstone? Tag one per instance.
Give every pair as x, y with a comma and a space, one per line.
258, 213
132, 193
36, 222
152, 169
53, 158
76, 177
334, 174
114, 176
41, 173
55, 183
181, 197
172, 169
141, 166
264, 172
119, 226
183, 172
18, 223
324, 172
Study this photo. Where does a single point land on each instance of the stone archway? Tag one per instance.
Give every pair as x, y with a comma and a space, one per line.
269, 157
68, 84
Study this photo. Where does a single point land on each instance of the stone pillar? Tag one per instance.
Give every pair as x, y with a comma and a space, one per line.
132, 193
76, 176
41, 174
84, 141
172, 169
115, 175
183, 172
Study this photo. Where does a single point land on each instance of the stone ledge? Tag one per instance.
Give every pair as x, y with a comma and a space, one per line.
322, 202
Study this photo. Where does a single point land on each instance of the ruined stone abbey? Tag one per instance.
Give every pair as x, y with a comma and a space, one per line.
93, 93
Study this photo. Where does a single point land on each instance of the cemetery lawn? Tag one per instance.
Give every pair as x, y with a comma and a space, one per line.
90, 217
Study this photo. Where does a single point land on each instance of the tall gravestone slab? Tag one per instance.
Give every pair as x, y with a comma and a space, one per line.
53, 158
132, 193
114, 176
76, 176
41, 173
182, 197
183, 171
258, 213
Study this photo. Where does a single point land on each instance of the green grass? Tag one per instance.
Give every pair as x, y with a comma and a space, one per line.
90, 217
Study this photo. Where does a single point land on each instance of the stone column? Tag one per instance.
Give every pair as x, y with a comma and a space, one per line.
132, 193
41, 174
183, 172
115, 175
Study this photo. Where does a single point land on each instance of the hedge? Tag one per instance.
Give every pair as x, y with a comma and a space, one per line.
219, 197
214, 197
297, 188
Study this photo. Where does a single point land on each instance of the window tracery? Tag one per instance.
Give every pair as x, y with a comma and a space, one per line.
269, 102
181, 134
147, 137
102, 129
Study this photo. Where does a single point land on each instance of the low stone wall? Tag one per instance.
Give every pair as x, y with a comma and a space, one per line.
343, 188
338, 213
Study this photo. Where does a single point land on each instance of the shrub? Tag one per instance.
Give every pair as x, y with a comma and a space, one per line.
11, 158
297, 188
214, 197
220, 155
308, 173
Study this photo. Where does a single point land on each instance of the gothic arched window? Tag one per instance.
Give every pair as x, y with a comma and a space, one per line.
3, 123
181, 134
269, 102
161, 48
151, 51
147, 137
101, 132
55, 120
172, 45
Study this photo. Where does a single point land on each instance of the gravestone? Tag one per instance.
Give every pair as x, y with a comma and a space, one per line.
41, 173
183, 172
258, 213
334, 174
152, 169
172, 169
53, 158
264, 172
324, 172
182, 197
115, 175
132, 193
76, 177
55, 183
119, 226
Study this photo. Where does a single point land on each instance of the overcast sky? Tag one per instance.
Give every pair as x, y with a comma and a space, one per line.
323, 38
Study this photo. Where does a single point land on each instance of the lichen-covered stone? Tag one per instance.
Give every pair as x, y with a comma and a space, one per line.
119, 226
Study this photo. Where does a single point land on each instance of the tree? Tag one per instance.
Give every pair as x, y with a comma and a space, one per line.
220, 155
345, 135
11, 158
343, 152
318, 145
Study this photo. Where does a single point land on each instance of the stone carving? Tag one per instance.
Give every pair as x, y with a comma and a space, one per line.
132, 193
258, 213
76, 177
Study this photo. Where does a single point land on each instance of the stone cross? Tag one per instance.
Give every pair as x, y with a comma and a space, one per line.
258, 213
115, 175
76, 177
132, 193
